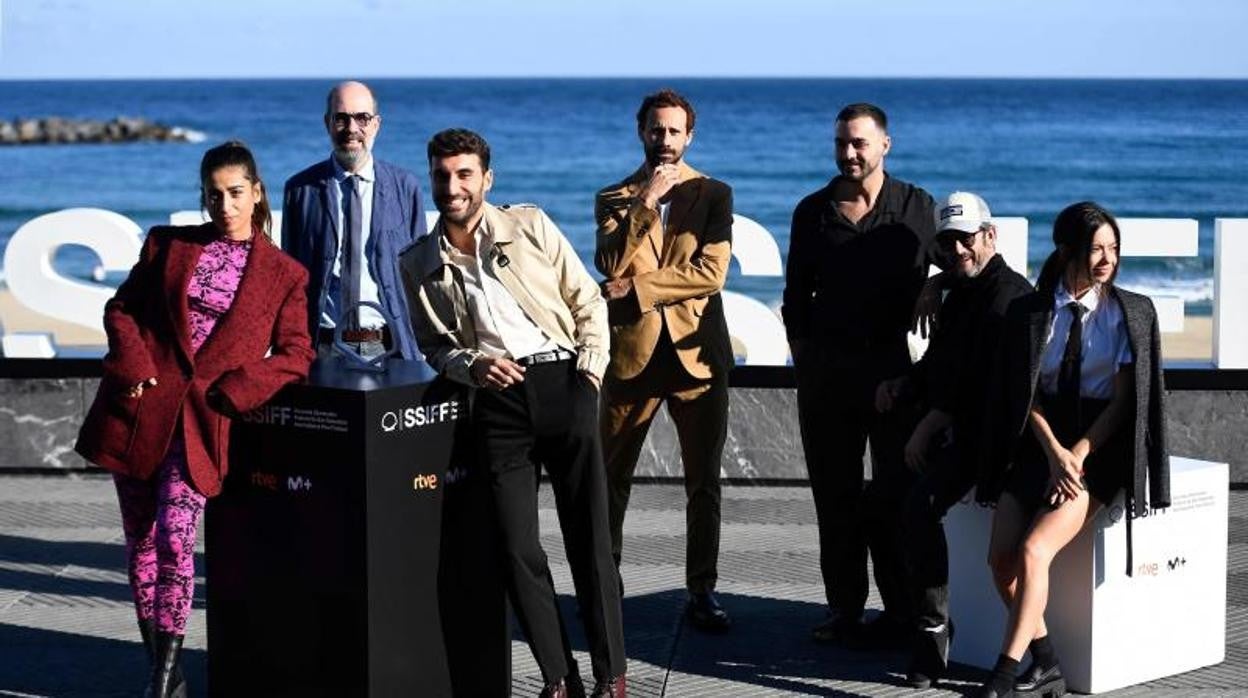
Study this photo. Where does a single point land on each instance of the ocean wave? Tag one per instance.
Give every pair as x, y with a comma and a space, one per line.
1191, 290
190, 134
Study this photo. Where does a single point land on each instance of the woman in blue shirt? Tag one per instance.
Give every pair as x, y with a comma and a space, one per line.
1081, 387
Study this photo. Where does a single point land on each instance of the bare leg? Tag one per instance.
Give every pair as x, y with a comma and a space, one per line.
1052, 530
1008, 528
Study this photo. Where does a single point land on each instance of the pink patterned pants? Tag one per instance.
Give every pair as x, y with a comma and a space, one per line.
160, 517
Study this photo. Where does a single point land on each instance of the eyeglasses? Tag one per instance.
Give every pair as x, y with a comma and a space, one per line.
948, 238
342, 118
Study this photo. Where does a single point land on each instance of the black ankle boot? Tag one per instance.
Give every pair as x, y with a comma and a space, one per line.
166, 647
147, 630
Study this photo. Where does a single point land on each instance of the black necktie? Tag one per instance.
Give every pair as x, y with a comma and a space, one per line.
1068, 375
352, 219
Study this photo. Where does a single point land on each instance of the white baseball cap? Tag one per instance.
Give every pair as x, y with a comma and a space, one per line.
962, 211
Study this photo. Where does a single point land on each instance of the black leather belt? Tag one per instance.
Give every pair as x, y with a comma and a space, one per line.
545, 357
381, 334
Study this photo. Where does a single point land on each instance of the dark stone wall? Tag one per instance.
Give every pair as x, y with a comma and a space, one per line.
39, 420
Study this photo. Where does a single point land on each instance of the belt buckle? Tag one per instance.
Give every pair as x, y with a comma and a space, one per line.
362, 336
343, 341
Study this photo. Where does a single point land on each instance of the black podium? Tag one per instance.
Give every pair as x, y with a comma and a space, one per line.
352, 551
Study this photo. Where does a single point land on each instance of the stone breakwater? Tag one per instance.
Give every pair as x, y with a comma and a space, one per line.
119, 130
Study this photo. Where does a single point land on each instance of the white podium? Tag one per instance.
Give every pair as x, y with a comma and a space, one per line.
1112, 630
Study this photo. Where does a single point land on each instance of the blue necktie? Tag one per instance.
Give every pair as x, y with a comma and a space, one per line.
352, 246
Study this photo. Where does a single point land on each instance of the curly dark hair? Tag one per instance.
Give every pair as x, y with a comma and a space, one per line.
459, 141
666, 98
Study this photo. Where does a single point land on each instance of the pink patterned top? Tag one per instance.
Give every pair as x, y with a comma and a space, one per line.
213, 284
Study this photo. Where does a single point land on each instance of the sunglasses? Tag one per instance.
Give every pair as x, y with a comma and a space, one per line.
361, 119
949, 238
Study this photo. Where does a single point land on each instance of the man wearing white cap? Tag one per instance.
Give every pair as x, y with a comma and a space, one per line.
948, 388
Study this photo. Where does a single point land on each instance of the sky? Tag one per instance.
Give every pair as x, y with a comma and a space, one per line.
609, 38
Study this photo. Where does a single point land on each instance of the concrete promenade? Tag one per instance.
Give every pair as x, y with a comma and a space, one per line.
67, 626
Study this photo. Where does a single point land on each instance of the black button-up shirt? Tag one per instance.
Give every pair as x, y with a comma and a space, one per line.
855, 285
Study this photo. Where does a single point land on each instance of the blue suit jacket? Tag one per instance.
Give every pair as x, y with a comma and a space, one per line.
310, 235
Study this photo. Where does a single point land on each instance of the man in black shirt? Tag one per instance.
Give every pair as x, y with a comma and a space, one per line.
858, 256
948, 386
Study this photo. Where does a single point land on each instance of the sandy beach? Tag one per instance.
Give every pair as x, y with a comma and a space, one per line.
15, 317
1194, 343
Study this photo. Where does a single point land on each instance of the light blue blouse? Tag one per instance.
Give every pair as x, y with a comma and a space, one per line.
1105, 343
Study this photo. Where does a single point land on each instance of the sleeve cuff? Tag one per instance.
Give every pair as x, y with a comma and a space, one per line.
643, 217
591, 361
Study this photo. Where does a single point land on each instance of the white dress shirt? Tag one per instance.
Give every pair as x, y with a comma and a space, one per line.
369, 318
503, 329
1106, 346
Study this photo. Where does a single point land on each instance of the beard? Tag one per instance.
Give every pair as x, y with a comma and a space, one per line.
658, 155
972, 271
865, 169
350, 158
462, 216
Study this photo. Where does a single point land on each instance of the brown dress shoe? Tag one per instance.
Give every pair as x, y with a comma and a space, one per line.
558, 689
615, 688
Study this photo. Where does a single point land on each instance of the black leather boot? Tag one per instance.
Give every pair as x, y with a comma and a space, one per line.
147, 630
166, 647
930, 658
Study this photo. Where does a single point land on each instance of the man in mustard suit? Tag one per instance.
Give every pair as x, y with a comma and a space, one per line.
664, 243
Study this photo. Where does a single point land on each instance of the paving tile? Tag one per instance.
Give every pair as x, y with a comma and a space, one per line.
67, 627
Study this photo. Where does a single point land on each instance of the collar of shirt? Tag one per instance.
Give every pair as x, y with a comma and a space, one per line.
985, 276
483, 242
368, 174
1090, 300
889, 201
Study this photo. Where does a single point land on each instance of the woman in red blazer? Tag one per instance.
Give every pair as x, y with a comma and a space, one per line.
210, 323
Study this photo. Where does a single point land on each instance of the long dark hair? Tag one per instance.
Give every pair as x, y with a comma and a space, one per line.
1073, 231
236, 154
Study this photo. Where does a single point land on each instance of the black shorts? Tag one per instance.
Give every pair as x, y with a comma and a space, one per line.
1105, 472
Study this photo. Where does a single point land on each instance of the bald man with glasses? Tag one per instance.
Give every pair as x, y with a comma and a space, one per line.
346, 218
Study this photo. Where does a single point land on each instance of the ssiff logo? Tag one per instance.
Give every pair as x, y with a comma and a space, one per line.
269, 414
419, 416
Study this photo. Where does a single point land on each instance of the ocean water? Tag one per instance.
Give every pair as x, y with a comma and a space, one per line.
1030, 147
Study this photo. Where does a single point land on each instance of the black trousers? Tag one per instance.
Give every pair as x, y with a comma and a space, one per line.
836, 413
949, 476
551, 420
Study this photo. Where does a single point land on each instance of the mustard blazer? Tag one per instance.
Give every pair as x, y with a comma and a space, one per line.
677, 272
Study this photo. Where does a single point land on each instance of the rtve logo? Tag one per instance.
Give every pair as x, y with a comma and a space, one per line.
271, 482
419, 416
425, 482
